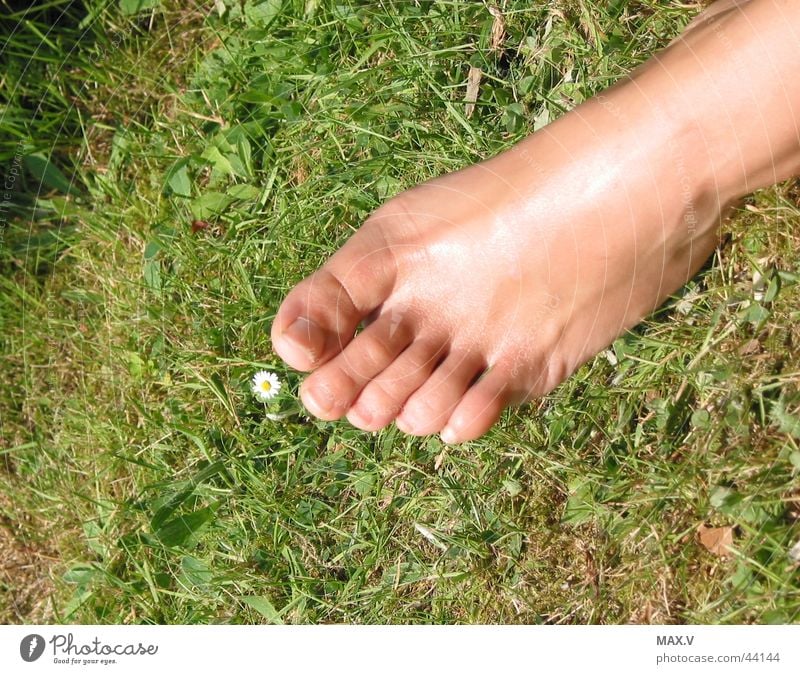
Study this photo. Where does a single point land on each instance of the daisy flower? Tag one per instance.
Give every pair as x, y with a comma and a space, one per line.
266, 385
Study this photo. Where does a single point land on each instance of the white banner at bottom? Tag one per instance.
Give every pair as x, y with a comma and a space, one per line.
386, 650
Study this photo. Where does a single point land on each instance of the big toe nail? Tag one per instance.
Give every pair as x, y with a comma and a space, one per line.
301, 344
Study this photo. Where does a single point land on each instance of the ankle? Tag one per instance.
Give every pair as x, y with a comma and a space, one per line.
729, 84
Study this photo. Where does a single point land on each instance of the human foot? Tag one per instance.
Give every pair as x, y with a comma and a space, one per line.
490, 286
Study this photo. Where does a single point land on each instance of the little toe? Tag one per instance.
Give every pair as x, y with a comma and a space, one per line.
480, 407
320, 315
329, 391
383, 398
428, 409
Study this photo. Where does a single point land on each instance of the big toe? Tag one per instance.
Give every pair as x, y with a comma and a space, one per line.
320, 315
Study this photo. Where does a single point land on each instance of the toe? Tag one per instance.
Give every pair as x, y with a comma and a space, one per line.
383, 397
480, 407
329, 391
320, 315
430, 407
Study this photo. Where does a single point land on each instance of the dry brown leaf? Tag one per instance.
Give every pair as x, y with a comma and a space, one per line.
751, 347
717, 540
498, 29
473, 85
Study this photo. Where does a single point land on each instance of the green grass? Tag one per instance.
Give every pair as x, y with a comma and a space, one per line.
139, 480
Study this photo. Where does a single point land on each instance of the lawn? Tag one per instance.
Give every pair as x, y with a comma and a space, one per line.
171, 169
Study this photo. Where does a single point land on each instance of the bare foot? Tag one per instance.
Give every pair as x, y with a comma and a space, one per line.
491, 285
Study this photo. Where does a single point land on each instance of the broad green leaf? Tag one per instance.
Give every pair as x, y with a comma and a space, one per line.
152, 274
131, 7
196, 572
221, 165
245, 154
48, 174
364, 483
773, 289
177, 178
92, 532
181, 531
81, 595
404, 573
244, 192
167, 507
580, 506
701, 419
136, 365
261, 14
151, 250
720, 496
756, 313
210, 204
63, 206
79, 574
265, 608
787, 422
511, 486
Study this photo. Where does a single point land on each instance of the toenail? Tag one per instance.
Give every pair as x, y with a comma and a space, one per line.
320, 398
449, 435
416, 423
305, 334
415, 416
403, 424
360, 416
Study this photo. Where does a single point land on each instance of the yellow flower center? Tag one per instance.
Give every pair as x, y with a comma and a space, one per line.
266, 386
